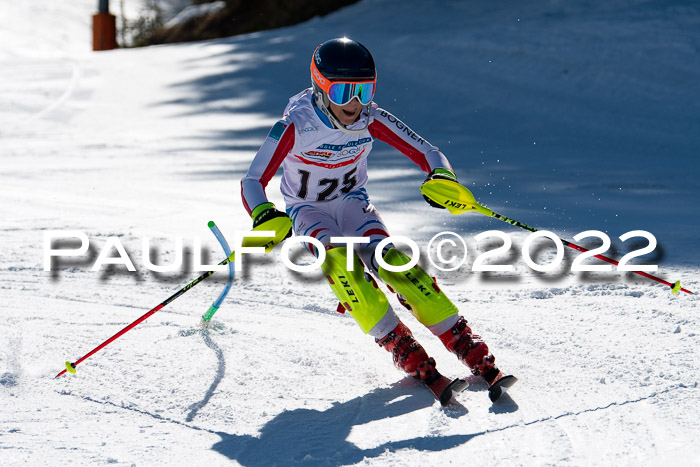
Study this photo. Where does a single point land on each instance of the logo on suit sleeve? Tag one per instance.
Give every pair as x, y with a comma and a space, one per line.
277, 131
403, 128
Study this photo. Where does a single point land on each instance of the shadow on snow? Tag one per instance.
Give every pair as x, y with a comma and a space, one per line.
320, 437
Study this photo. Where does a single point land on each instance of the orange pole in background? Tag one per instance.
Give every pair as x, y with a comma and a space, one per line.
104, 28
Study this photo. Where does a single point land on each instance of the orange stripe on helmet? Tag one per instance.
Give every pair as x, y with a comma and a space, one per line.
325, 83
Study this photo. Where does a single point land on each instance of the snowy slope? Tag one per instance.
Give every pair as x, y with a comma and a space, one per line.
568, 116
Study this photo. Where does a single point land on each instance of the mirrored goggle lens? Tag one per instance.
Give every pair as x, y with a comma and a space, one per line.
342, 93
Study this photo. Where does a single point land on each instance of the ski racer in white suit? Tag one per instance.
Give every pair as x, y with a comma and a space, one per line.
322, 143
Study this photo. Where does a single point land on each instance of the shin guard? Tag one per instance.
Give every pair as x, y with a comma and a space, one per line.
419, 291
356, 292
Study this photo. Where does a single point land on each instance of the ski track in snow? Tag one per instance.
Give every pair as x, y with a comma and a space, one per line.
153, 142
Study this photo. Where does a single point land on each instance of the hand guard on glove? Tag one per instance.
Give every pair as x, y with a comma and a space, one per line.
266, 211
438, 174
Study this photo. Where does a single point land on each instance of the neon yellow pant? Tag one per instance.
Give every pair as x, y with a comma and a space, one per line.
428, 303
358, 294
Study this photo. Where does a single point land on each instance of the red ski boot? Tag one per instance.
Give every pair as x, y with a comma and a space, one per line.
412, 358
474, 353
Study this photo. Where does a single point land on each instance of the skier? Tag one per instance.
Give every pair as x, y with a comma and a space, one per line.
322, 142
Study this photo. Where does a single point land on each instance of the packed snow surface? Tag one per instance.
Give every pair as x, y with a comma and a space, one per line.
567, 116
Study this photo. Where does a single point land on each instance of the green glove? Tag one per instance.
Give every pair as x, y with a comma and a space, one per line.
266, 211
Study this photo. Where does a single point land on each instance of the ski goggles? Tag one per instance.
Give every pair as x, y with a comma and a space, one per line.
342, 92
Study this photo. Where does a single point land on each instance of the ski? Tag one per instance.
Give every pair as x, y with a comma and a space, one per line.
500, 386
443, 388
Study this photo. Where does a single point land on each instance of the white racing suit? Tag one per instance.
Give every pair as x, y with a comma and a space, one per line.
323, 179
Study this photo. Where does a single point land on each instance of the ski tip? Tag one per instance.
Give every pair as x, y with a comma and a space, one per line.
459, 385
70, 367
211, 224
675, 288
456, 386
499, 387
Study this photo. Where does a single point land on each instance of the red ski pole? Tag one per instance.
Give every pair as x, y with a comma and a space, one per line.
458, 199
675, 287
278, 227
70, 367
